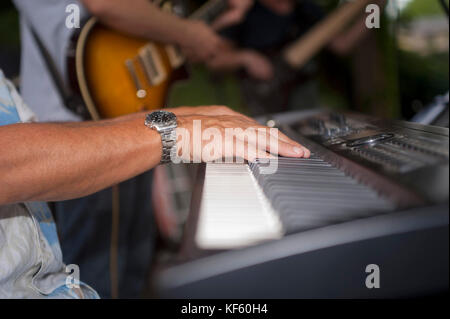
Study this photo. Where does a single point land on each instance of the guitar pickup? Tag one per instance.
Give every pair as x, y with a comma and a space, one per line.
153, 67
140, 92
175, 56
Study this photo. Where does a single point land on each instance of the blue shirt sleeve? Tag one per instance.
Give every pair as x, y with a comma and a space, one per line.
8, 110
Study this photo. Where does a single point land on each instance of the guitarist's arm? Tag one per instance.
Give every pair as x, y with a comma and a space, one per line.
236, 13
255, 64
142, 18
345, 42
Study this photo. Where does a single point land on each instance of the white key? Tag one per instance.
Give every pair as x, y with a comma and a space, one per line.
234, 211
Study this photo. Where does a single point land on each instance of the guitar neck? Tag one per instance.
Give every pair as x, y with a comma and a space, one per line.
209, 11
298, 53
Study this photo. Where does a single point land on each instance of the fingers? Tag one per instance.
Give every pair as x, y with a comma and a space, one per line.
288, 146
241, 131
284, 138
289, 150
249, 152
285, 141
267, 139
235, 14
307, 153
204, 42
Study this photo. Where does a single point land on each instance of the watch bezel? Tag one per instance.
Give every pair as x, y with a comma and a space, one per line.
157, 123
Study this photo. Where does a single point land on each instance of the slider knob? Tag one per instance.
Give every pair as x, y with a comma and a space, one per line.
340, 120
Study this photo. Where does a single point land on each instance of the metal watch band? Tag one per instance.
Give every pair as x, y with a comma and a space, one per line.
169, 147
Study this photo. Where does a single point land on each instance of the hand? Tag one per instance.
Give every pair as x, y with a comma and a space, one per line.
280, 7
200, 42
216, 123
234, 15
257, 66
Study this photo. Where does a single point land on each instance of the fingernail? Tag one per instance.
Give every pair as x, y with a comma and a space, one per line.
298, 150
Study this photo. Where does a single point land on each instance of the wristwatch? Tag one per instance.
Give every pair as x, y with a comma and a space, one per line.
166, 124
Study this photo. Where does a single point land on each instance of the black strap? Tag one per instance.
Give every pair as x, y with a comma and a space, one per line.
73, 102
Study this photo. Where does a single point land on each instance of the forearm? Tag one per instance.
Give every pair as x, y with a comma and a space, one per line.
345, 42
229, 60
64, 161
139, 18
256, 65
234, 15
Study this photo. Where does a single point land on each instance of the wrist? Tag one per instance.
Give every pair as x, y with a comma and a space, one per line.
245, 58
175, 31
186, 33
165, 123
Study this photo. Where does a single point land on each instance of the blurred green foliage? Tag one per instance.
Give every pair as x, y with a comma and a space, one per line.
389, 94
9, 25
421, 77
205, 88
421, 8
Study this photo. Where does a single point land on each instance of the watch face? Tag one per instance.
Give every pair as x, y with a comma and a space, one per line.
161, 119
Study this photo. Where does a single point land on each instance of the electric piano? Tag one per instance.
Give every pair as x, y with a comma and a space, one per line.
374, 192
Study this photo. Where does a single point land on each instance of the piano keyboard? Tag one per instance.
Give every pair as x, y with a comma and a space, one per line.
374, 191
240, 206
234, 211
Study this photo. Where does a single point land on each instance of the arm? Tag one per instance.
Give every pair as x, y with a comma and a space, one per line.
236, 13
50, 161
345, 42
255, 64
141, 18
61, 161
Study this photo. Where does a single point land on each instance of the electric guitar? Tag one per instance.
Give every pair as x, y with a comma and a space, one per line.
118, 74
292, 62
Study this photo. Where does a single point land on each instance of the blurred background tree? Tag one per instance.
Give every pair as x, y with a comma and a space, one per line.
9, 40
423, 54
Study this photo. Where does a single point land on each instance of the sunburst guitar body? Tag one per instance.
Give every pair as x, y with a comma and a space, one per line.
119, 74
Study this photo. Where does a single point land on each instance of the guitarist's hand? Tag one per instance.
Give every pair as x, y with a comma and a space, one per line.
257, 66
216, 119
200, 42
254, 63
234, 15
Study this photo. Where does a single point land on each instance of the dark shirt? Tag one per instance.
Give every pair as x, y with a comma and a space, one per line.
265, 30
